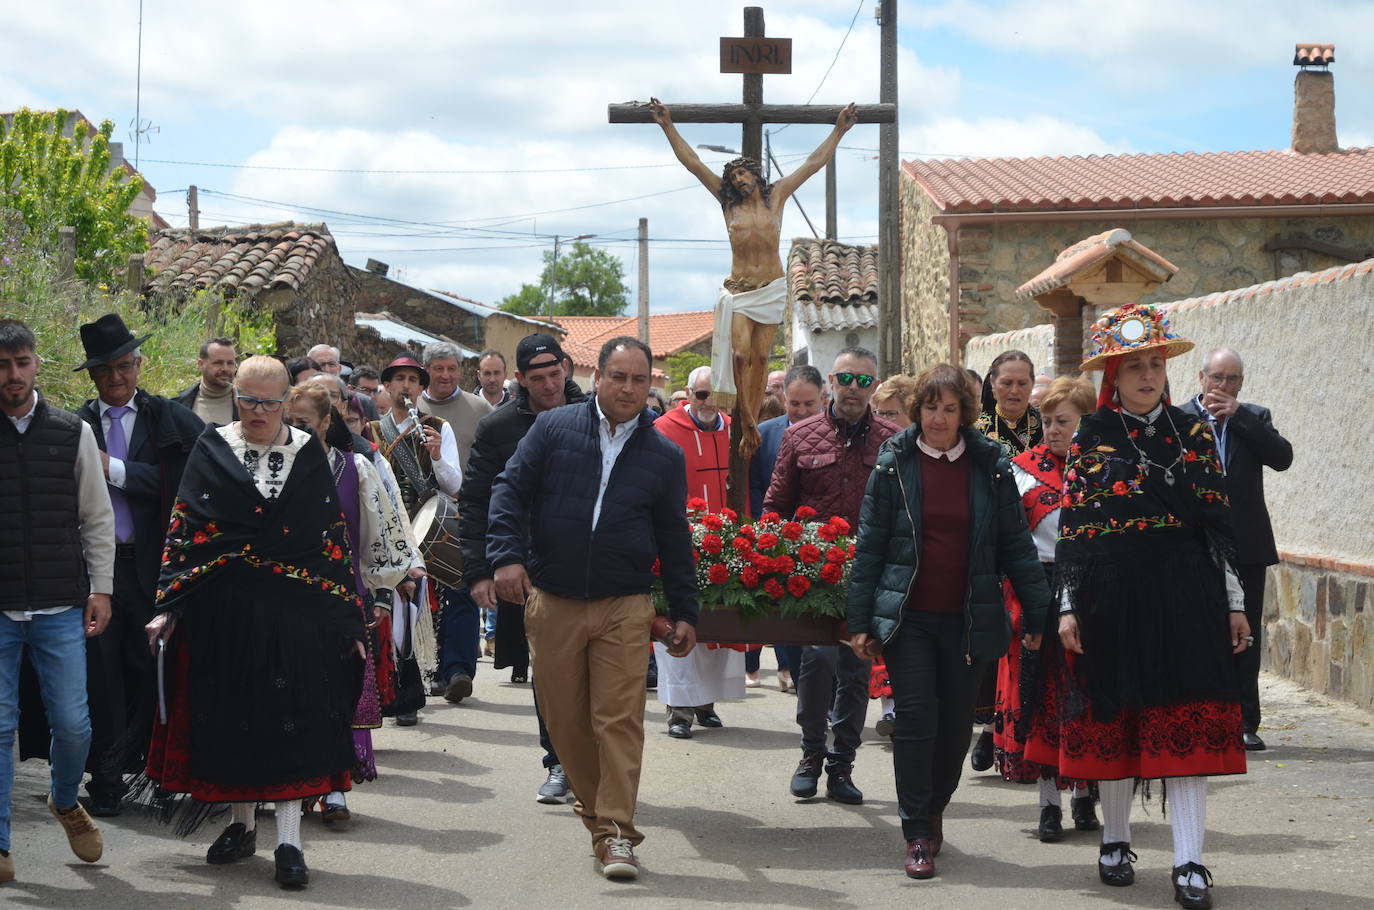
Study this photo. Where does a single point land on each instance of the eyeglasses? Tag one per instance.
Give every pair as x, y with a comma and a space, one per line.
1226, 378
126, 368
863, 379
702, 394
266, 405
888, 415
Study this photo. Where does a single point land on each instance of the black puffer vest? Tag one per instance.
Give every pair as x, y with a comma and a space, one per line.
41, 561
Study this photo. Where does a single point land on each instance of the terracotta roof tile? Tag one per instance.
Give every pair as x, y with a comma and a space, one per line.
245, 259
1150, 181
669, 333
1314, 54
1088, 253
833, 286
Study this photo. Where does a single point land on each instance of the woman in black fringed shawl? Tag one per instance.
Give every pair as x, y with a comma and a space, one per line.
259, 630
1151, 613
1008, 419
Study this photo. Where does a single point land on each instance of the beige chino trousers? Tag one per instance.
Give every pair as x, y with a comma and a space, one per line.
590, 658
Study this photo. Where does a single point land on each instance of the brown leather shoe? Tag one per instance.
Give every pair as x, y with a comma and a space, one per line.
920, 859
82, 833
6, 867
937, 834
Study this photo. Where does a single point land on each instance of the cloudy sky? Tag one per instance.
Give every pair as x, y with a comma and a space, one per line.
454, 139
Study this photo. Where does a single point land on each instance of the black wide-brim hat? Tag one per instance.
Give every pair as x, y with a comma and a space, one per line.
106, 339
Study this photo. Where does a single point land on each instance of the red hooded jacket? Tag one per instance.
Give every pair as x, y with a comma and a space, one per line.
707, 454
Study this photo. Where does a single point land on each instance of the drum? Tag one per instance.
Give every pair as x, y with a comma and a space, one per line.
436, 526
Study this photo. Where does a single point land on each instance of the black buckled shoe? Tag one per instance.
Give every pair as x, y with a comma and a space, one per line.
235, 843
291, 870
1193, 896
1051, 825
709, 718
807, 775
981, 757
839, 786
1084, 812
1123, 873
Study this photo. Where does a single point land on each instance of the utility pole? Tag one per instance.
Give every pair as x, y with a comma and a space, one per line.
644, 280
889, 252
832, 231
193, 207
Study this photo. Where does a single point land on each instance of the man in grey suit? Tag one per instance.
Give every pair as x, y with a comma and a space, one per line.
1247, 443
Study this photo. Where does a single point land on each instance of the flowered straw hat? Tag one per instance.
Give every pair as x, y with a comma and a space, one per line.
1131, 328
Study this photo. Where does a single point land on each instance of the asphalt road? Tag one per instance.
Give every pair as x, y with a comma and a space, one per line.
452, 822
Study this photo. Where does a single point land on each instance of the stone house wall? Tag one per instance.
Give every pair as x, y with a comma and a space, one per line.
377, 293
925, 282
1304, 341
321, 311
994, 260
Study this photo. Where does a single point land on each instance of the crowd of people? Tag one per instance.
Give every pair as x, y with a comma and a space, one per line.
215, 598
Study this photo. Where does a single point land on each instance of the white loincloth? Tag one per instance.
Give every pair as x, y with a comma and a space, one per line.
764, 305
703, 677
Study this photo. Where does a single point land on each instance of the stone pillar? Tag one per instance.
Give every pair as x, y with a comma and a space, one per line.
1314, 112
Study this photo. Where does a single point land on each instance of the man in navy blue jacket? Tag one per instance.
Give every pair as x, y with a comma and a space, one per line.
591, 504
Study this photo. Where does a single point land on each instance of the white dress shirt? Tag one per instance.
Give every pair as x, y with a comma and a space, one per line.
612, 444
94, 511
448, 468
116, 478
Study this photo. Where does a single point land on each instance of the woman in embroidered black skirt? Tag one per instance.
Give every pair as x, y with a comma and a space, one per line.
1151, 613
260, 629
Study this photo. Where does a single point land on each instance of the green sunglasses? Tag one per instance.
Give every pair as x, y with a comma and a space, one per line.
863, 379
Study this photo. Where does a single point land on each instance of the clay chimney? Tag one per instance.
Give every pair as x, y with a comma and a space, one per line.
1314, 100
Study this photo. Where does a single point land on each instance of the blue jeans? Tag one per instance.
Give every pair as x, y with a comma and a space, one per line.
57, 650
489, 627
461, 628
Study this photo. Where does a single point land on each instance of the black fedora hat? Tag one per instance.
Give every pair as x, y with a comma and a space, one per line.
106, 339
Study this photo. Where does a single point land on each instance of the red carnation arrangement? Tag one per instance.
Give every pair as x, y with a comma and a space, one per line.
768, 565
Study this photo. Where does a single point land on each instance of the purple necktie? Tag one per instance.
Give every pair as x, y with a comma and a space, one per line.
116, 446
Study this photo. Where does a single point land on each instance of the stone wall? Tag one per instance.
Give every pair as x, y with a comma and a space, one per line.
925, 282
1319, 626
320, 312
1305, 344
422, 309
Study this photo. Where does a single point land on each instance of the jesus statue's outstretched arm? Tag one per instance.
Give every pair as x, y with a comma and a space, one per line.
684, 152
787, 184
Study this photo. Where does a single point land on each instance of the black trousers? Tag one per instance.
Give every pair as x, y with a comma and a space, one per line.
1248, 661
934, 689
120, 681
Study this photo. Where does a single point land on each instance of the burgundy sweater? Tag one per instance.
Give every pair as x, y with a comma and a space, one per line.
942, 579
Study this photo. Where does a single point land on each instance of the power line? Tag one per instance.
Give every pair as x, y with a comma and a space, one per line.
441, 172
833, 60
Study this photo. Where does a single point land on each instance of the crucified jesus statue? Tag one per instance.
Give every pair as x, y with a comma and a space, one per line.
753, 298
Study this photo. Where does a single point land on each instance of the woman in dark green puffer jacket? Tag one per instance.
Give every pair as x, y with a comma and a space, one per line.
941, 525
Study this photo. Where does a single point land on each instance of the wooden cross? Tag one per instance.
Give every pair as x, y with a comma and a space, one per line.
751, 114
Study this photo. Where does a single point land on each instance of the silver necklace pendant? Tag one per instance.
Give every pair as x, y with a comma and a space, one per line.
1150, 430
1169, 477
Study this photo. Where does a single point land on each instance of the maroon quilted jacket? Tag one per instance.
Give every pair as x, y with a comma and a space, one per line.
820, 466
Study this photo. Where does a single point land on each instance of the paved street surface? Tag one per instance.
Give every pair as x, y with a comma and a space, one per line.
452, 822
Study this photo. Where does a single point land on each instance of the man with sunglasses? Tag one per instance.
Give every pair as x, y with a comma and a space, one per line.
824, 463
144, 442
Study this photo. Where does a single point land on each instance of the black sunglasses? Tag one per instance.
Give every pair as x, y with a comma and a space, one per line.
863, 379
702, 394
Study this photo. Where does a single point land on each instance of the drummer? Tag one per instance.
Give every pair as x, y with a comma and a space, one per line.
423, 455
